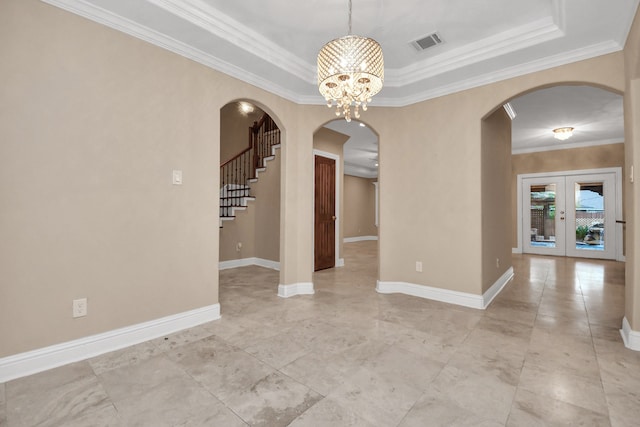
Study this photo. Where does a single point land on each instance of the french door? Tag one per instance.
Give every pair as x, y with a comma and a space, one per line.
570, 215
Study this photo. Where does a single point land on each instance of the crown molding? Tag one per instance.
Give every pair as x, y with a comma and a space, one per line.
560, 59
506, 42
567, 146
119, 23
201, 14
360, 171
210, 19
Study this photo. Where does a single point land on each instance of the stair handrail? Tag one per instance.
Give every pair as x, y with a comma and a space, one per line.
239, 169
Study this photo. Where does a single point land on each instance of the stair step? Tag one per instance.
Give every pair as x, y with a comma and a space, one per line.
236, 196
267, 159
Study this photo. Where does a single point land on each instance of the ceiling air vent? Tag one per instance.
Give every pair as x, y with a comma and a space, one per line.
427, 41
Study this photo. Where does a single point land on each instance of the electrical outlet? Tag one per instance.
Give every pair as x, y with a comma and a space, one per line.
497, 262
79, 307
419, 266
238, 246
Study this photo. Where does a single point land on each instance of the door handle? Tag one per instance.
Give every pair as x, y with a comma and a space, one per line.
333, 217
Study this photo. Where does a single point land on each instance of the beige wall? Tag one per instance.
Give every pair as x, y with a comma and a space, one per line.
496, 195
241, 230
258, 227
359, 207
632, 158
597, 157
449, 159
99, 119
97, 123
267, 204
332, 142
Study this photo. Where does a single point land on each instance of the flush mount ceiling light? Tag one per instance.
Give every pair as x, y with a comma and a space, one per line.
350, 72
246, 107
563, 133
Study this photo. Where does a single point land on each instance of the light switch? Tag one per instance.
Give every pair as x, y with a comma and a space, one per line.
177, 177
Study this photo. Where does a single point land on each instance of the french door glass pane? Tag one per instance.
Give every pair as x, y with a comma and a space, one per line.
590, 218
543, 215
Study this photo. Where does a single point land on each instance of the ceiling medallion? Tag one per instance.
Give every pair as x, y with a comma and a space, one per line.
350, 72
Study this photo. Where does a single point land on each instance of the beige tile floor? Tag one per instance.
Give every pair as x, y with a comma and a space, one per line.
546, 352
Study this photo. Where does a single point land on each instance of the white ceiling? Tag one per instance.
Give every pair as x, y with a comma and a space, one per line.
273, 44
596, 114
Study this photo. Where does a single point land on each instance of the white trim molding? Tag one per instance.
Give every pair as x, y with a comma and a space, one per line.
286, 291
32, 362
200, 14
245, 262
464, 299
496, 288
630, 337
359, 239
340, 262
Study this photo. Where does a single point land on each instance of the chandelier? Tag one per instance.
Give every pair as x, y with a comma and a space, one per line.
350, 72
563, 133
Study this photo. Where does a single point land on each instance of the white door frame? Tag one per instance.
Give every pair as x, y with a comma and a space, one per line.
339, 262
617, 171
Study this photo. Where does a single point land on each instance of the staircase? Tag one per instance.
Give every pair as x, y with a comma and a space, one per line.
237, 173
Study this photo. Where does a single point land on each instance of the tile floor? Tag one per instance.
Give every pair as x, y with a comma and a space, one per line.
546, 352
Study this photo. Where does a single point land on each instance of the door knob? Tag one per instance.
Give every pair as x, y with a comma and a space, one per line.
333, 217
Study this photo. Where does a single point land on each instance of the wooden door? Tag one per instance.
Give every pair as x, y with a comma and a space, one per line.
325, 213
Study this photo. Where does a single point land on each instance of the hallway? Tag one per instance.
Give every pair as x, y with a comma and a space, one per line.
546, 352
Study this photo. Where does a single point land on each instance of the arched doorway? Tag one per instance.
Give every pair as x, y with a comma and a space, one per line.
583, 172
250, 177
350, 151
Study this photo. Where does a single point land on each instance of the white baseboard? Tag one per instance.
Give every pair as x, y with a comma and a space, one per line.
495, 289
445, 295
359, 239
630, 337
31, 362
286, 291
340, 262
516, 250
244, 262
428, 292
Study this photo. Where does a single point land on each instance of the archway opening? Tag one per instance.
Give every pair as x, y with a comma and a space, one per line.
353, 146
250, 177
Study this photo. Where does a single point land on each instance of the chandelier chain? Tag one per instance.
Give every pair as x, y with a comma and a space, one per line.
350, 17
